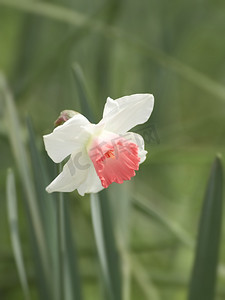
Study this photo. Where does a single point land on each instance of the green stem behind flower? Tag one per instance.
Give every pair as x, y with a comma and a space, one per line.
60, 249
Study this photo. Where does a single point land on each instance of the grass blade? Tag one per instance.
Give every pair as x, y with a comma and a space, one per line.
82, 92
47, 10
131, 267
67, 279
144, 280
14, 232
70, 274
158, 216
46, 202
121, 221
60, 288
19, 151
48, 208
203, 279
106, 246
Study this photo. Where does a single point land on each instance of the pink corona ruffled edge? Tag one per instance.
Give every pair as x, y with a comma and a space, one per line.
115, 161
102, 153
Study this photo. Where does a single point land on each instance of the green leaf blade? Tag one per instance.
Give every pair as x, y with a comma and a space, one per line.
203, 280
106, 246
84, 100
14, 232
38, 236
72, 280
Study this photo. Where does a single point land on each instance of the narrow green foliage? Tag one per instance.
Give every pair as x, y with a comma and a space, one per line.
156, 215
40, 175
70, 275
60, 288
31, 202
121, 219
82, 92
107, 251
144, 280
46, 202
73, 283
14, 232
63, 46
47, 10
56, 220
203, 279
47, 207
74, 18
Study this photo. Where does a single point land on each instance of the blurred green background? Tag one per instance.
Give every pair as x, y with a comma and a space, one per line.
172, 49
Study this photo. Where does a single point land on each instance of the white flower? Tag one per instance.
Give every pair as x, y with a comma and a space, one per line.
100, 153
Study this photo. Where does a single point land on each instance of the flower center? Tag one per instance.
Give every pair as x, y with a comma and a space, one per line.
109, 154
114, 160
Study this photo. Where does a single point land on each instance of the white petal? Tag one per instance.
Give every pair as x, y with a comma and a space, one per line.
74, 173
92, 183
109, 106
139, 141
122, 114
66, 138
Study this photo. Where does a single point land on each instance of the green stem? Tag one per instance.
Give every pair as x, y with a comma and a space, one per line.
60, 245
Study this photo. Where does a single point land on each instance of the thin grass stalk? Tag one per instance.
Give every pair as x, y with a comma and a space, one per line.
14, 232
60, 246
144, 280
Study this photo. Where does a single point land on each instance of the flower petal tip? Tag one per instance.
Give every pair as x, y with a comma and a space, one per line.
48, 190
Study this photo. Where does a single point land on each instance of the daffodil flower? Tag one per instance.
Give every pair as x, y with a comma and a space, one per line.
102, 153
